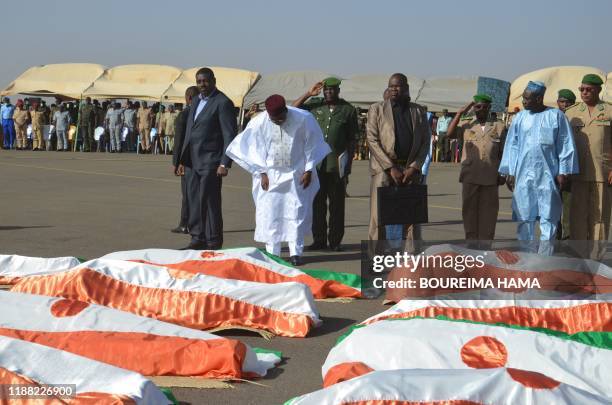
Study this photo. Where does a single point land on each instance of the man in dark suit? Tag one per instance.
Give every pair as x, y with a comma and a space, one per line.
211, 126
180, 127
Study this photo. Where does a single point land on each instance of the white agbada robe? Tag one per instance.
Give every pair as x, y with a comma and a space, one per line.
284, 152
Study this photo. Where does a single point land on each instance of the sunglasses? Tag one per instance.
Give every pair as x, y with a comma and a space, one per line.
584, 89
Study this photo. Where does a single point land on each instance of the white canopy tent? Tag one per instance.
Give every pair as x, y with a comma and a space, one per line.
64, 79
235, 83
143, 82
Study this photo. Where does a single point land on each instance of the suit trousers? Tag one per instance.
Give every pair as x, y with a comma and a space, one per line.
376, 232
480, 208
184, 222
22, 135
115, 138
590, 217
144, 138
86, 133
37, 138
332, 189
8, 127
204, 200
62, 139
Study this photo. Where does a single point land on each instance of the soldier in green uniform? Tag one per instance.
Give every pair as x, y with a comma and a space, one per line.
87, 119
338, 120
590, 207
565, 99
483, 140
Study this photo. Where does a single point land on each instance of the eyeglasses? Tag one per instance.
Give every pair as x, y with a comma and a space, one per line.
584, 89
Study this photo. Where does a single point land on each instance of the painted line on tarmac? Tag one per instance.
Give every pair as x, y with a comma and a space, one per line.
125, 176
444, 207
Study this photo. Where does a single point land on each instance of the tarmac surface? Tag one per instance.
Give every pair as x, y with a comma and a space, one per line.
90, 204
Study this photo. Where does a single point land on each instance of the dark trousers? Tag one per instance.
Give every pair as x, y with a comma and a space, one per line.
86, 135
204, 200
184, 203
332, 190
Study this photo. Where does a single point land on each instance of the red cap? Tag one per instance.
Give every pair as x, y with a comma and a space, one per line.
275, 105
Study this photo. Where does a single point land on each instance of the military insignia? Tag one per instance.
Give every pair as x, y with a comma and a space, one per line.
600, 107
582, 107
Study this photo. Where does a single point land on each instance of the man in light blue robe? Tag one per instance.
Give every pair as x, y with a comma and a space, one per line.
538, 156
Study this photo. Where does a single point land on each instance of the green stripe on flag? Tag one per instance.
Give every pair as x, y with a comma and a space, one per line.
348, 279
601, 340
168, 393
268, 351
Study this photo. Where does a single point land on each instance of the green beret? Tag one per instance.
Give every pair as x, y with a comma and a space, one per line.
482, 98
592, 79
331, 82
567, 94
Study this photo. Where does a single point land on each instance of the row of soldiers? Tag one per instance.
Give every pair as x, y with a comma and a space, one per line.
137, 118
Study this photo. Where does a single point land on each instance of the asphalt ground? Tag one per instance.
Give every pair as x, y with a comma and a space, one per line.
90, 204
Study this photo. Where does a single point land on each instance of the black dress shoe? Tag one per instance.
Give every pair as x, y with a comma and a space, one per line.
317, 246
195, 246
296, 260
336, 248
180, 229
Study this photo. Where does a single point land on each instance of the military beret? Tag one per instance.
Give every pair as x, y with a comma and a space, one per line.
331, 82
567, 94
482, 98
592, 79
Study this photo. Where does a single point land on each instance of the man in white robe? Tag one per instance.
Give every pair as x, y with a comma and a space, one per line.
280, 148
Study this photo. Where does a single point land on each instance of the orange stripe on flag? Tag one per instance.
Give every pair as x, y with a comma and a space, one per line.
156, 355
237, 269
199, 310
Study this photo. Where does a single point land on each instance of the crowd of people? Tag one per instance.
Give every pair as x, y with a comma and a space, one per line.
93, 126
556, 161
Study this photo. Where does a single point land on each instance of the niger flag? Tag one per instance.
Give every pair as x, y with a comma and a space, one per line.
192, 300
144, 345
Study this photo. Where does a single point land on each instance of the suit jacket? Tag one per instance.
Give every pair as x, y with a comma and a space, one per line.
208, 136
380, 135
180, 126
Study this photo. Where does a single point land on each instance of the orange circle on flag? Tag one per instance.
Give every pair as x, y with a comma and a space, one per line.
66, 307
484, 352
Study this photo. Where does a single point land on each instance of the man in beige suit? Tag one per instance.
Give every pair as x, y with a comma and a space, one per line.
398, 138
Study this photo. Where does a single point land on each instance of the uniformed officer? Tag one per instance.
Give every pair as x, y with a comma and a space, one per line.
565, 99
144, 126
21, 118
87, 119
167, 125
38, 121
482, 151
49, 120
338, 120
590, 207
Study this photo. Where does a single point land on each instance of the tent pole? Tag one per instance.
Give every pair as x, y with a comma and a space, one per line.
240, 118
76, 134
